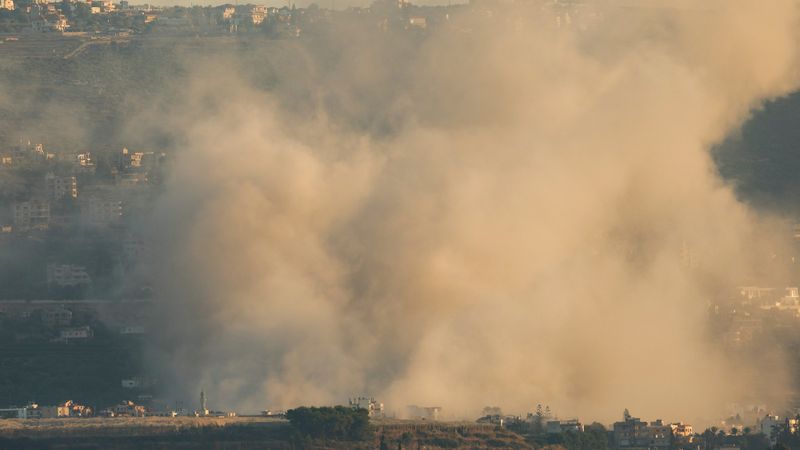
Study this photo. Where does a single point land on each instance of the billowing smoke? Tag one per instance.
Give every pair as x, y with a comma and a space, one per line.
497, 213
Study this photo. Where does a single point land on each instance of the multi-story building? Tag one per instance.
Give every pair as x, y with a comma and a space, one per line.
32, 214
682, 431
67, 275
635, 433
101, 211
60, 187
373, 408
257, 14
771, 426
659, 435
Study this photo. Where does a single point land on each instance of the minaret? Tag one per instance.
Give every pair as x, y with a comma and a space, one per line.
203, 409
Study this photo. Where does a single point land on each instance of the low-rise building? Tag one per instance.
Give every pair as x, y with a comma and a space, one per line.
563, 426
374, 408
682, 431
56, 317
125, 409
13, 413
84, 332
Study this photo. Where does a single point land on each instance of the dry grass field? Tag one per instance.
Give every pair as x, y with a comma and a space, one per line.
126, 426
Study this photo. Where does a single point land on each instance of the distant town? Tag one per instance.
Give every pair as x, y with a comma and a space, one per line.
753, 429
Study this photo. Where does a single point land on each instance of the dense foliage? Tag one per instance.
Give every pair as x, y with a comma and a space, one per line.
34, 368
338, 422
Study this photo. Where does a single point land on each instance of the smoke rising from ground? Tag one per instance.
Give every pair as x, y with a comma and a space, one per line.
497, 214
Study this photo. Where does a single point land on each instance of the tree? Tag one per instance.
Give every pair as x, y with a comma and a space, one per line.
337, 422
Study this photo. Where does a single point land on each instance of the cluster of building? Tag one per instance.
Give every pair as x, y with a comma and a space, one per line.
744, 316
63, 197
35, 411
67, 321
376, 410
67, 16
126, 408
70, 17
632, 432
99, 204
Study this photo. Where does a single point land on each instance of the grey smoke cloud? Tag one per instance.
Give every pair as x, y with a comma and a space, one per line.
493, 216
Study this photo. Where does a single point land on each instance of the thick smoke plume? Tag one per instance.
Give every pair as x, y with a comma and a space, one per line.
498, 213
